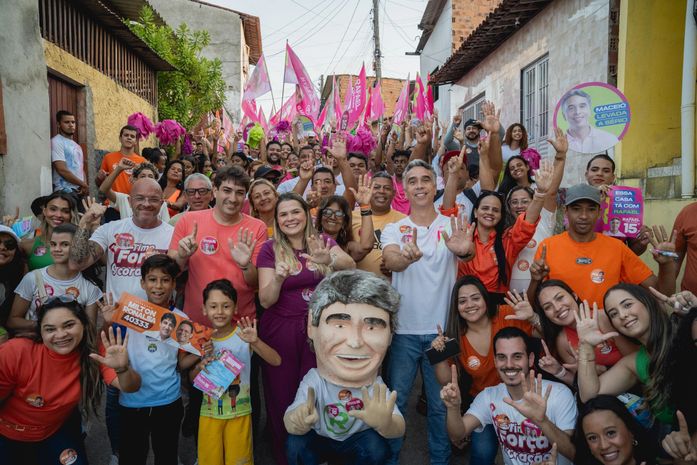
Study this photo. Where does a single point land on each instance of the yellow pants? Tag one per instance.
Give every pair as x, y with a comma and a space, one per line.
225, 442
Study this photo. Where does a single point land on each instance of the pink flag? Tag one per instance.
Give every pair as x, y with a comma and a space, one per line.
322, 116
287, 111
261, 119
349, 94
243, 123
337, 102
358, 97
249, 109
377, 105
308, 103
368, 106
402, 108
429, 97
420, 98
258, 84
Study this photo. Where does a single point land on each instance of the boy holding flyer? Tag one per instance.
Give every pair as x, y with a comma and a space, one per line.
225, 425
154, 412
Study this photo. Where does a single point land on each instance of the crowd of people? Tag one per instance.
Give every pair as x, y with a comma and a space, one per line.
536, 337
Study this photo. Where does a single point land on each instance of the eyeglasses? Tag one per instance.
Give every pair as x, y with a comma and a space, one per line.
140, 199
328, 212
9, 244
200, 191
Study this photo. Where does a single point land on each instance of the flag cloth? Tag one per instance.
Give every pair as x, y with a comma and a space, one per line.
322, 116
377, 105
402, 107
349, 95
420, 98
358, 98
287, 111
429, 97
295, 73
337, 102
258, 84
261, 118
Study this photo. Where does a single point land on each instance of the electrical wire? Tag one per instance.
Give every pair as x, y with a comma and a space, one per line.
304, 34
363, 23
358, 2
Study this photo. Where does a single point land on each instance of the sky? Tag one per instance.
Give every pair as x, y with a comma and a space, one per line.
334, 36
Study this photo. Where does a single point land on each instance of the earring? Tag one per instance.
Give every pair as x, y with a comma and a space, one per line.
635, 443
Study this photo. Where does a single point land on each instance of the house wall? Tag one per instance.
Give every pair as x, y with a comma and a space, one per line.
557, 31
390, 88
227, 41
437, 49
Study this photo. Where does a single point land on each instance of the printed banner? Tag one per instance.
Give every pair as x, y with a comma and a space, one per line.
622, 212
219, 374
161, 324
594, 115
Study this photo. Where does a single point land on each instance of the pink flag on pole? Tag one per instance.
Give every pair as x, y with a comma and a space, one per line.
368, 106
308, 102
429, 97
358, 98
249, 109
349, 94
402, 108
322, 116
287, 111
258, 84
337, 102
420, 98
261, 119
377, 105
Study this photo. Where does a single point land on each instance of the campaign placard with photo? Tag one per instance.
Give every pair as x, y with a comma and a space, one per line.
161, 324
594, 115
622, 212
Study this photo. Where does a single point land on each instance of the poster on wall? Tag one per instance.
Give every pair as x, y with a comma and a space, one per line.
594, 115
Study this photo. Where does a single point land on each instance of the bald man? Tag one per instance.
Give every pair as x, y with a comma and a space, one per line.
126, 243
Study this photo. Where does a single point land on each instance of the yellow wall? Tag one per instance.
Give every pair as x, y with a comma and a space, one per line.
649, 74
111, 104
662, 212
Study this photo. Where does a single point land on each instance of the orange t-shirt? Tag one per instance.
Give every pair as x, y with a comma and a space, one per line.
591, 268
481, 367
109, 163
212, 260
39, 389
484, 264
686, 244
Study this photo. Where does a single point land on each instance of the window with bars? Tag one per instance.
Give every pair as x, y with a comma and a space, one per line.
473, 108
535, 105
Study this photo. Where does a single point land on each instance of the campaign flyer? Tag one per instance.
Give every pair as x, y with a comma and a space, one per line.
219, 374
622, 212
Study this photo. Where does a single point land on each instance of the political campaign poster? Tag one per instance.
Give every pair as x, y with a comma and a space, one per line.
161, 324
594, 115
622, 212
218, 374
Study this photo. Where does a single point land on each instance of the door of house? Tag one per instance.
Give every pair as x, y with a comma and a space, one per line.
63, 96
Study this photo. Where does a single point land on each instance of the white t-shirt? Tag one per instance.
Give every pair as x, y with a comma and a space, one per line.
69, 151
127, 246
84, 291
289, 185
124, 207
507, 152
332, 403
522, 442
520, 273
464, 204
424, 285
156, 363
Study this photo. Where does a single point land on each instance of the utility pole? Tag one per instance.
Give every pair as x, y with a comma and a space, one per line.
377, 55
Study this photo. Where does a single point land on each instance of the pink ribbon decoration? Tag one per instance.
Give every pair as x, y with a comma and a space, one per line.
142, 123
169, 131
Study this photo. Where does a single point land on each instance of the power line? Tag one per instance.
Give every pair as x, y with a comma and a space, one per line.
363, 23
304, 35
287, 24
343, 36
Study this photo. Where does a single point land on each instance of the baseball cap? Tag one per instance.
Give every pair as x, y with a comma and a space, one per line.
266, 171
472, 122
450, 154
7, 230
582, 192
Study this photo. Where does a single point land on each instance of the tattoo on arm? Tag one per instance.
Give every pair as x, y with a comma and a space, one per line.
82, 250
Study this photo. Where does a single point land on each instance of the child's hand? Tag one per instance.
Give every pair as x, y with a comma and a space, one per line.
249, 330
207, 348
207, 358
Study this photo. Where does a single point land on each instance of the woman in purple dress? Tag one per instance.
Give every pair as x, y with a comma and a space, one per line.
290, 266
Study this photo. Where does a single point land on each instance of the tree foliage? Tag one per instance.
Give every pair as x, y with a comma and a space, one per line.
196, 86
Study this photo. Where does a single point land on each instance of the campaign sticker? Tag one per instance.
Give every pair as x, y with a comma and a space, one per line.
307, 294
594, 115
68, 456
40, 251
406, 238
597, 276
35, 400
532, 244
73, 291
404, 229
354, 404
208, 245
523, 265
473, 362
125, 241
583, 261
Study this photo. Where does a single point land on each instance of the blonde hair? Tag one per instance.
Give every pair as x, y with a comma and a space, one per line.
282, 247
255, 183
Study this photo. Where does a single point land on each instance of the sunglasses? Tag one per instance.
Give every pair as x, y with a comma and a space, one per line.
9, 244
64, 299
328, 212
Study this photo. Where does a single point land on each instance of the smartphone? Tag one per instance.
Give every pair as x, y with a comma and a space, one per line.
452, 348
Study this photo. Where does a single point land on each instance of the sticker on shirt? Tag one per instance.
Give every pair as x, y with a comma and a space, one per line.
40, 251
404, 229
597, 276
406, 238
307, 294
604, 348
73, 291
473, 362
532, 244
68, 456
125, 241
524, 442
152, 347
298, 268
336, 417
208, 245
584, 261
523, 265
35, 400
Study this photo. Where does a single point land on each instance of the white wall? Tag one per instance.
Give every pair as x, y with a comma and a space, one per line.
575, 35
437, 49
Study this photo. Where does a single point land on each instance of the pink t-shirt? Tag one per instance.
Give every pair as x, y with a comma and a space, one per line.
400, 202
212, 260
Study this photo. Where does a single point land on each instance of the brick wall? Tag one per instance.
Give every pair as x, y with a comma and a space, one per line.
467, 15
390, 89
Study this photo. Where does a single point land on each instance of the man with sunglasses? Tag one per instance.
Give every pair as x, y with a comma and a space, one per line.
198, 190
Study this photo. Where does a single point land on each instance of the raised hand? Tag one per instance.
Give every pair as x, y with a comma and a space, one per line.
490, 121
338, 148
365, 190
248, 327
543, 177
533, 405
547, 362
521, 306
439, 341
242, 251
187, 244
319, 251
313, 198
107, 307
681, 301
93, 213
539, 268
461, 241
411, 250
663, 245
423, 134
678, 444
125, 164
9, 220
587, 325
560, 142
457, 118
307, 169
552, 460
116, 355
377, 410
450, 393
282, 271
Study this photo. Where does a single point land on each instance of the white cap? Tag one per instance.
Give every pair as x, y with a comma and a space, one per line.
10, 231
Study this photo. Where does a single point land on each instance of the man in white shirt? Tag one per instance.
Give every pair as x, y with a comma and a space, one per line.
530, 415
421, 251
67, 158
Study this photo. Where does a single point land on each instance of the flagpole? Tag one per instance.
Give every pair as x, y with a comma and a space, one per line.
273, 100
283, 85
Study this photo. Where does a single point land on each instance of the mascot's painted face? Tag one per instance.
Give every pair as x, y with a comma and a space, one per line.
350, 343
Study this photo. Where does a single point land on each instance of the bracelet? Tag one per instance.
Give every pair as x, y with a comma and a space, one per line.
587, 360
365, 207
331, 264
122, 371
245, 268
561, 373
535, 320
540, 195
366, 212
